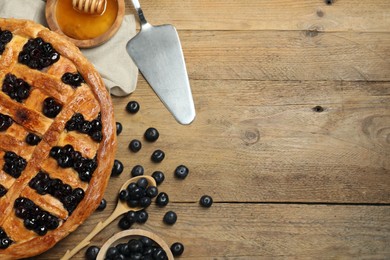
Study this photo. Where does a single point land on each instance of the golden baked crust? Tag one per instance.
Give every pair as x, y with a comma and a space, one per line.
90, 99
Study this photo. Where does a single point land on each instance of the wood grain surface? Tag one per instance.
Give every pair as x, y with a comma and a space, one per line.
291, 138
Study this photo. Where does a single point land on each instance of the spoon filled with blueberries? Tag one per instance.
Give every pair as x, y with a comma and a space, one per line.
134, 195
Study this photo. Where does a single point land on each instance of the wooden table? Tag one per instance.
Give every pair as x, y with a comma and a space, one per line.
291, 139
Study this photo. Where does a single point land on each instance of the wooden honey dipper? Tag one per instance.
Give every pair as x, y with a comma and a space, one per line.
90, 6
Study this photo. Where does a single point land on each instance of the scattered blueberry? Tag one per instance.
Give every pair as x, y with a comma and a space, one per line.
135, 145
132, 107
162, 199
206, 201
137, 170
170, 218
181, 171
102, 205
151, 134
119, 128
117, 168
158, 176
177, 249
142, 216
124, 223
157, 156
92, 252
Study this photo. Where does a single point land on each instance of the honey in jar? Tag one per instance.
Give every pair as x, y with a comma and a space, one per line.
84, 26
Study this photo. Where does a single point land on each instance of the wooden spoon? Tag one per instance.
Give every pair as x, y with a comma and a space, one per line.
90, 6
121, 208
134, 233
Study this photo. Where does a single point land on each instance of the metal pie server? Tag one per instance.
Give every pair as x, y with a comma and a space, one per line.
157, 52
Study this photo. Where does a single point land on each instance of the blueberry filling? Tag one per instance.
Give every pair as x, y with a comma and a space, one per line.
3, 191
5, 122
38, 54
16, 88
73, 79
67, 157
51, 108
5, 37
35, 218
14, 164
5, 241
69, 197
32, 139
92, 128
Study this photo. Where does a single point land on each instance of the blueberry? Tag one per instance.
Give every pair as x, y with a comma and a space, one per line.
73, 79
117, 168
41, 54
137, 170
142, 183
151, 134
102, 205
145, 202
162, 199
123, 249
123, 195
151, 191
170, 218
177, 249
41, 231
112, 252
147, 242
124, 223
5, 242
51, 108
3, 191
119, 128
157, 156
132, 107
131, 216
92, 252
181, 172
5, 122
97, 136
206, 201
135, 145
135, 246
159, 253
158, 176
32, 139
142, 216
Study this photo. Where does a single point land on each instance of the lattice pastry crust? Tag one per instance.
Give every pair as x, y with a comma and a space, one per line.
57, 138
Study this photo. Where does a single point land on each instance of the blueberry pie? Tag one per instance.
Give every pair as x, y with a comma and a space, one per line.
57, 138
